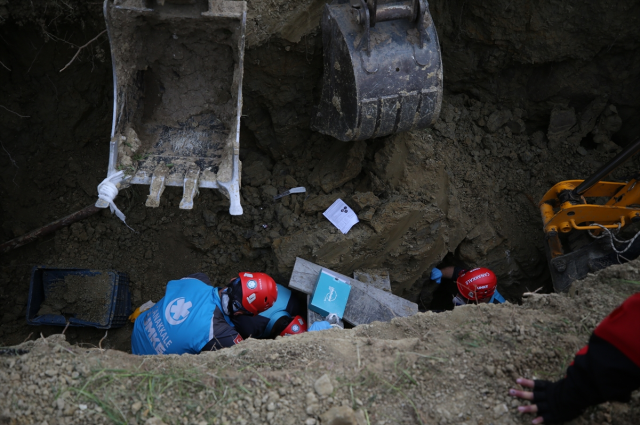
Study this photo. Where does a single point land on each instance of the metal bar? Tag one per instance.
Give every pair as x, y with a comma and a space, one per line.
394, 11
49, 228
607, 169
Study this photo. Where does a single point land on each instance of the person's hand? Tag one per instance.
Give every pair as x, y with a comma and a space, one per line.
436, 275
526, 395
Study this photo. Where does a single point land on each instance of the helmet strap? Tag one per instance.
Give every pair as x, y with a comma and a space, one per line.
235, 298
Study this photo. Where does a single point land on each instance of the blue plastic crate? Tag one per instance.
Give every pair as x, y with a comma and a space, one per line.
42, 280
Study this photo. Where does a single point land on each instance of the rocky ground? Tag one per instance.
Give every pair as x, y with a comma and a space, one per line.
453, 367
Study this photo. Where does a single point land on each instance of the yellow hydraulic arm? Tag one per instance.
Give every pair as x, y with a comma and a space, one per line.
564, 207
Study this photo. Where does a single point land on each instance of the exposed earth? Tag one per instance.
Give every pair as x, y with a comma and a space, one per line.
534, 94
431, 368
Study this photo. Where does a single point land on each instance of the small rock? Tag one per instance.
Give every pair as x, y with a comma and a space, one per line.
154, 421
323, 386
310, 421
497, 119
362, 200
340, 415
50, 372
500, 410
490, 370
311, 398
271, 407
135, 407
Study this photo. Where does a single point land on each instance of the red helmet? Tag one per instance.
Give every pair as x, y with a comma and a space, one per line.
259, 292
477, 284
297, 326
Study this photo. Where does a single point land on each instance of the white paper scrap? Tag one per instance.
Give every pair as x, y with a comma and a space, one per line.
341, 216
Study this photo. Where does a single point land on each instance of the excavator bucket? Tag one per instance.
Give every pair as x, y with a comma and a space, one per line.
177, 71
382, 69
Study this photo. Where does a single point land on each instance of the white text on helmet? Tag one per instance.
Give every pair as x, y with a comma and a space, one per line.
476, 278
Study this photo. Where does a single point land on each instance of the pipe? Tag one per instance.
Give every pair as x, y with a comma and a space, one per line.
49, 228
606, 169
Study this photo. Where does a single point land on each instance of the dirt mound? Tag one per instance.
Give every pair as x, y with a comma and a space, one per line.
83, 297
453, 367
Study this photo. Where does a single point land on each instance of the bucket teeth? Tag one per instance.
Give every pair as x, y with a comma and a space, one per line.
158, 182
190, 187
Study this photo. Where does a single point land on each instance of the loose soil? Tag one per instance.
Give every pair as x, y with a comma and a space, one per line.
85, 298
445, 368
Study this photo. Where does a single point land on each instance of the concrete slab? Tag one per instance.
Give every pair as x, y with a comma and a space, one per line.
366, 304
378, 278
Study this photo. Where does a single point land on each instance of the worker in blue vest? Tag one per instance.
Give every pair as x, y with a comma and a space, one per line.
283, 318
194, 316
475, 286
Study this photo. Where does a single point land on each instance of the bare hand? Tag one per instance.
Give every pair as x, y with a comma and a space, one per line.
526, 395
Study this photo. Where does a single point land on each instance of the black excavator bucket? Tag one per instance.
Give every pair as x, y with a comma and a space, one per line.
382, 69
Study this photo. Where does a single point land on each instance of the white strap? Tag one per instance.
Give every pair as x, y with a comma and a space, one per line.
107, 191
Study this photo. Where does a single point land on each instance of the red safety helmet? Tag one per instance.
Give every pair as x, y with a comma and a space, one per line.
259, 292
297, 326
477, 284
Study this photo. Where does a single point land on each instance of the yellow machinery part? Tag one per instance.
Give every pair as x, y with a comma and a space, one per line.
568, 216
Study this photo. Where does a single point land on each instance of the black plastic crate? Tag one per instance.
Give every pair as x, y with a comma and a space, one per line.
44, 278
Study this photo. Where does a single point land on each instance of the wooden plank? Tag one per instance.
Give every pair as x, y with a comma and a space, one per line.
366, 304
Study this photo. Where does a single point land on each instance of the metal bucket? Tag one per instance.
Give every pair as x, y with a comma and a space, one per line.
177, 70
382, 69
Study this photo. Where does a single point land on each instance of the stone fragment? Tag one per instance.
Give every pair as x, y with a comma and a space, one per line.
135, 407
339, 415
500, 410
362, 200
497, 119
590, 114
516, 126
154, 421
539, 140
366, 214
320, 203
560, 124
323, 386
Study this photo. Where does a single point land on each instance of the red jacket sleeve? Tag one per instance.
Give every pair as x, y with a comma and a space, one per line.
607, 369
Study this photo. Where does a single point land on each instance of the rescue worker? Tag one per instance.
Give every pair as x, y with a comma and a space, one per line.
194, 316
606, 369
462, 287
283, 318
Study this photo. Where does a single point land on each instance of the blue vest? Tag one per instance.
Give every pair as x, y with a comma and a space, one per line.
277, 310
181, 322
